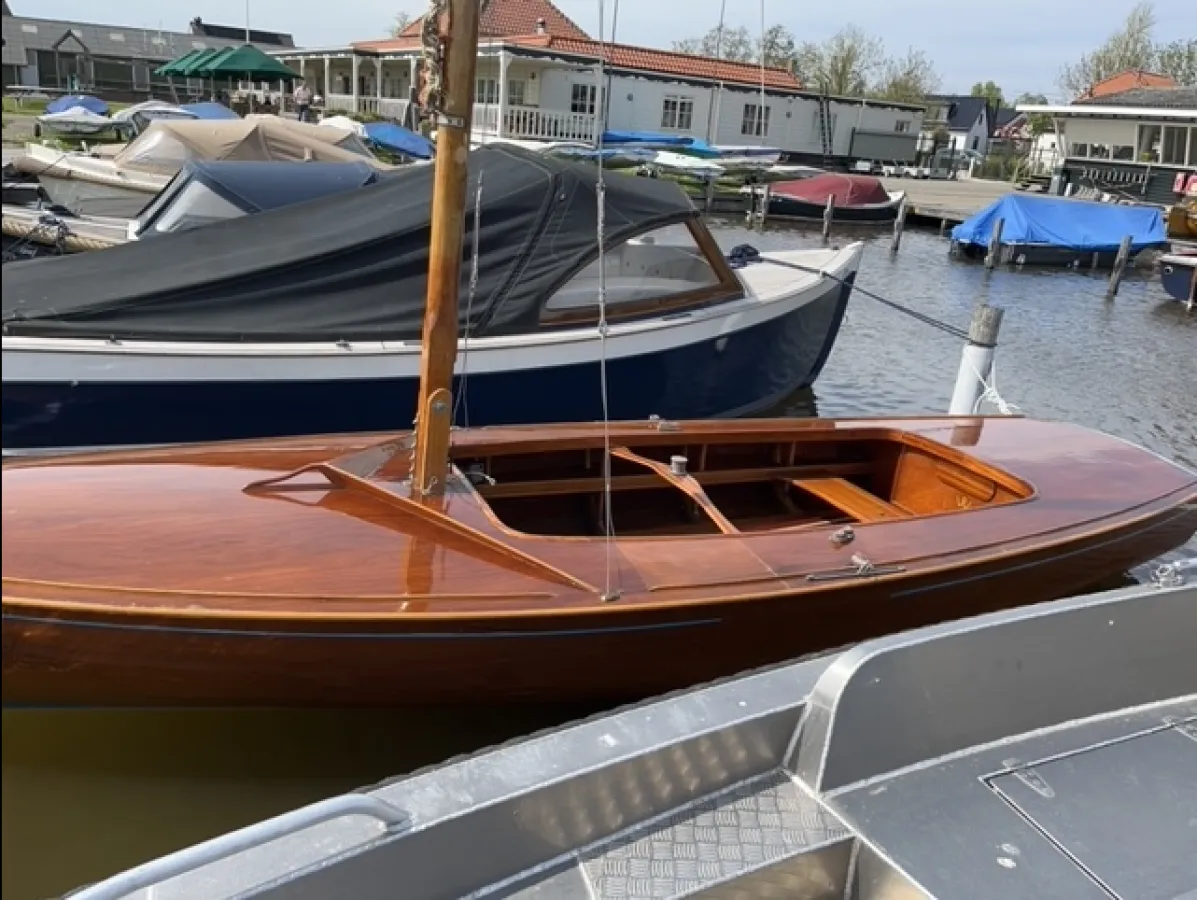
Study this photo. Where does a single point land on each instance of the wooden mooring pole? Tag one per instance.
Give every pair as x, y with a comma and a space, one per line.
828, 215
899, 225
1120, 261
995, 244
976, 362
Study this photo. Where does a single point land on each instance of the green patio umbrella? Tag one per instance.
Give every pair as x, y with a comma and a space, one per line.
196, 66
246, 62
172, 67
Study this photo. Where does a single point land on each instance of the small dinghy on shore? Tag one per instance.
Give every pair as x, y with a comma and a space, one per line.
1042, 753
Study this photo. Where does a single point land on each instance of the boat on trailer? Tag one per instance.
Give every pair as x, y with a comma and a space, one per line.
306, 329
1047, 752
315, 571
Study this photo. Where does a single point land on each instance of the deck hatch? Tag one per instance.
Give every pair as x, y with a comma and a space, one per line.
1125, 812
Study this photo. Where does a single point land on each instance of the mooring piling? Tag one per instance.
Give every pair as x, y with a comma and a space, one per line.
899, 225
995, 244
976, 361
828, 215
1120, 261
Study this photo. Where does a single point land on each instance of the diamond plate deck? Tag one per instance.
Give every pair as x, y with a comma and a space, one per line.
751, 826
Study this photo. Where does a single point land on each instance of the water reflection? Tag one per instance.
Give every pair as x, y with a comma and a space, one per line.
87, 793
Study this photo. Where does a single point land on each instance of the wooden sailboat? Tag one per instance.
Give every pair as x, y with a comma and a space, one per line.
594, 561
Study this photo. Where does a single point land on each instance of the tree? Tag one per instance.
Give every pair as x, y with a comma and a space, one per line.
1178, 59
777, 47
722, 43
1037, 123
991, 92
402, 20
1130, 47
843, 65
907, 79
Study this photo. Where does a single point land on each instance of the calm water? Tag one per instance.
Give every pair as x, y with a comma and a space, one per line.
86, 794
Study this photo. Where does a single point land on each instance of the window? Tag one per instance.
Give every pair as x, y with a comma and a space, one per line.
581, 99
902, 126
486, 91
116, 36
1122, 152
1174, 147
751, 123
1149, 143
677, 113
644, 274
515, 92
976, 143
196, 205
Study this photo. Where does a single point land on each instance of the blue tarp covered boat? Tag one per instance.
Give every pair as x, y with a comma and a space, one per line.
398, 139
679, 143
210, 110
1047, 230
73, 101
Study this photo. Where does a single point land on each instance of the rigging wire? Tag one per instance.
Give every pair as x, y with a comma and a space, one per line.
761, 120
609, 590
461, 402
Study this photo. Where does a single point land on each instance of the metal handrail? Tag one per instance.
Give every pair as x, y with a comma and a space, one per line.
191, 858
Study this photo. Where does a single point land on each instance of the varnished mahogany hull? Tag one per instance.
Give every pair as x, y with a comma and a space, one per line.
152, 661
236, 574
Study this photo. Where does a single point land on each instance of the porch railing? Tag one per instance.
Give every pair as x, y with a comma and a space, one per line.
530, 123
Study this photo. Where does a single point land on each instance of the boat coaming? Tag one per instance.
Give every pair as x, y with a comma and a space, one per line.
296, 572
729, 359
849, 775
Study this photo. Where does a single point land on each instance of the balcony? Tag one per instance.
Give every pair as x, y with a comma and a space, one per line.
532, 124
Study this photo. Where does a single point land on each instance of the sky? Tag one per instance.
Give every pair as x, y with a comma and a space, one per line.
968, 43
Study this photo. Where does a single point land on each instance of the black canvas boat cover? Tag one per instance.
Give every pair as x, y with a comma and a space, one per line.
351, 266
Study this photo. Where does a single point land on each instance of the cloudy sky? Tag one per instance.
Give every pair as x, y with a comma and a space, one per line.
968, 42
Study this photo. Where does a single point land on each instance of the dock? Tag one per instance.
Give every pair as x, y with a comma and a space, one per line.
944, 203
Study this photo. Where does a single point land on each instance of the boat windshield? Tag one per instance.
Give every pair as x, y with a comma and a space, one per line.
664, 263
195, 205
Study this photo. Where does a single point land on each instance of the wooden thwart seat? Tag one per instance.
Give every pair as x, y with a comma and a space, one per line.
849, 498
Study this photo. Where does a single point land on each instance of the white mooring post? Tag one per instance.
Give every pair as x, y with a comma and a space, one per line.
976, 362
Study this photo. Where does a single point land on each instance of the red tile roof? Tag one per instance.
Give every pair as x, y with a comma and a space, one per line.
625, 56
1129, 80
503, 18
665, 62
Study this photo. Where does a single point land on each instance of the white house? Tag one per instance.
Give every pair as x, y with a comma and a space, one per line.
538, 79
965, 119
1140, 143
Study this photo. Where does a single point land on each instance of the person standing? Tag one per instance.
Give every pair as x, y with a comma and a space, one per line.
303, 101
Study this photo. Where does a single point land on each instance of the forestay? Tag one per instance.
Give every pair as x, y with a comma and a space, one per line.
347, 267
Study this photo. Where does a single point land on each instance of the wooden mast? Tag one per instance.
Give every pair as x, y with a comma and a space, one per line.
458, 33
